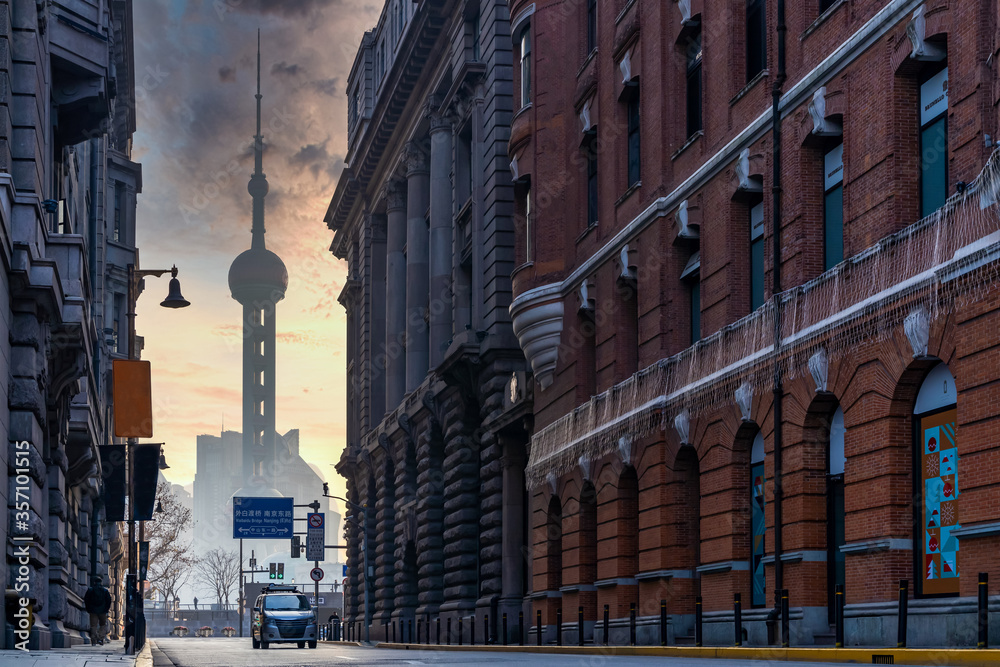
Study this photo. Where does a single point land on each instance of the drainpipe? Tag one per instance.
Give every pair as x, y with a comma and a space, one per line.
779, 80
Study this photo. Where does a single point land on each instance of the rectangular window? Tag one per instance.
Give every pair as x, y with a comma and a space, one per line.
634, 171
833, 208
756, 38
475, 37
694, 85
591, 25
695, 290
933, 141
757, 256
116, 234
526, 66
591, 184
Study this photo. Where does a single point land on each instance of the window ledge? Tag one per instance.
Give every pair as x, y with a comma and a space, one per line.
521, 111
523, 267
586, 232
628, 193
590, 57
763, 74
814, 26
624, 11
690, 140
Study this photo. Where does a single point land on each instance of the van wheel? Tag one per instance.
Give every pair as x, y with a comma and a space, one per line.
253, 640
312, 643
264, 645
301, 644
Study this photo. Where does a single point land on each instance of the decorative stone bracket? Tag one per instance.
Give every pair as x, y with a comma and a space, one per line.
537, 317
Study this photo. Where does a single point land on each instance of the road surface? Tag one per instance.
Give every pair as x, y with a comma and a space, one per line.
236, 652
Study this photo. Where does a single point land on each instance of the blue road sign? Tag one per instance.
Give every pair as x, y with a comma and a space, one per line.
267, 518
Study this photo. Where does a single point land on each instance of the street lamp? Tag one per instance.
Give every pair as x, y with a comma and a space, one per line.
363, 525
133, 611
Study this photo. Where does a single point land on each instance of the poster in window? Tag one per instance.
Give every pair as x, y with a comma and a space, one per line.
939, 506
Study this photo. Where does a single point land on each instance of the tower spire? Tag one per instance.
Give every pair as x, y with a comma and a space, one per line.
258, 182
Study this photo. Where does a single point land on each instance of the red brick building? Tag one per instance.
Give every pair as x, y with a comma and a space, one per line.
647, 177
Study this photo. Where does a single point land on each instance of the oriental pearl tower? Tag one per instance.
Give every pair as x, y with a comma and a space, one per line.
258, 279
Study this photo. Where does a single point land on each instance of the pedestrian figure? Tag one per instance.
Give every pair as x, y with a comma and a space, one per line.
196, 603
98, 602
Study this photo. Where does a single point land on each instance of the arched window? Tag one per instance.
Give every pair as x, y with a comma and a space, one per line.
835, 566
936, 472
628, 523
554, 545
758, 589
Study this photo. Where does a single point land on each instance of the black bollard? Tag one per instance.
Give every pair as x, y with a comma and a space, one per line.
419, 628
785, 639
663, 622
394, 632
904, 590
472, 630
438, 630
839, 615
607, 623
409, 625
449, 631
579, 624
504, 628
520, 628
460, 628
984, 616
697, 621
538, 627
559, 626
486, 629
631, 624
738, 619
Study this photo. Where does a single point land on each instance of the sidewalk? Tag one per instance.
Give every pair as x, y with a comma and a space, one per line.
112, 653
905, 656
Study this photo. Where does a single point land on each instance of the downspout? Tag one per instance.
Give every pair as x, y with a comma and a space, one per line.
776, 90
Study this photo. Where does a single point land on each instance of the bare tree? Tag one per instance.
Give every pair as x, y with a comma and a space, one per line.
221, 569
170, 559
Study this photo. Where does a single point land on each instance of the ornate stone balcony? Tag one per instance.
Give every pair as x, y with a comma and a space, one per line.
538, 320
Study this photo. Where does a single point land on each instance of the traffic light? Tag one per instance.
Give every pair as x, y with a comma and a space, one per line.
296, 546
281, 570
272, 570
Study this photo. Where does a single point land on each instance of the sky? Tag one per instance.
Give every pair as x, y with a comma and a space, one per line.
195, 81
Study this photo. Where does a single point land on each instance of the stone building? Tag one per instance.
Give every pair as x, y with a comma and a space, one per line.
67, 220
423, 216
758, 364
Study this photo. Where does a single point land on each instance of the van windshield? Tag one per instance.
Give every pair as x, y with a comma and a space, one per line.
286, 603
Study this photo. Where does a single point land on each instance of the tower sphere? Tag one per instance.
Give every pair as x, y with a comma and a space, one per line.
258, 274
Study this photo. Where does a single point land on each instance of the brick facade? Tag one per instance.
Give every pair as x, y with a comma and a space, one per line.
673, 511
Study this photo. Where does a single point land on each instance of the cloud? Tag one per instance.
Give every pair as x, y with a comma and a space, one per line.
227, 74
328, 87
316, 159
283, 69
286, 8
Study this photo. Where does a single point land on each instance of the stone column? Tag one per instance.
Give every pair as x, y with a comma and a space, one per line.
513, 525
377, 309
395, 298
461, 508
417, 270
440, 237
405, 577
430, 514
385, 560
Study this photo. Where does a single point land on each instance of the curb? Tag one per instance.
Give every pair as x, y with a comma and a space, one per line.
909, 656
145, 656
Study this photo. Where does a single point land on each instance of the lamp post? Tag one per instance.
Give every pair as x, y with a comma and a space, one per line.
133, 610
364, 549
